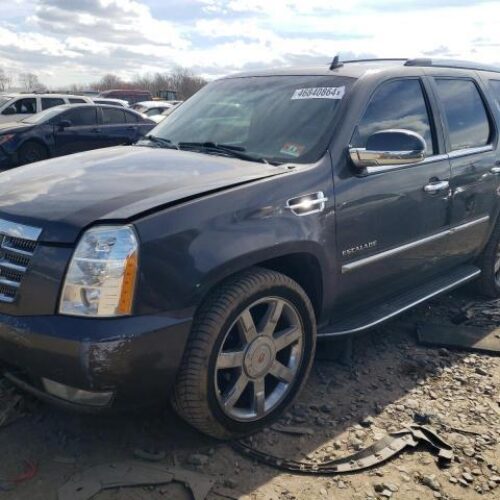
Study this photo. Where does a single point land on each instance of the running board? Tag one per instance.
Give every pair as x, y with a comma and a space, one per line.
399, 304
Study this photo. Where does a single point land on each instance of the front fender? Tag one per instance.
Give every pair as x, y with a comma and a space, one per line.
186, 250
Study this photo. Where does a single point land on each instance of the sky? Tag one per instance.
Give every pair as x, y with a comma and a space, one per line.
78, 41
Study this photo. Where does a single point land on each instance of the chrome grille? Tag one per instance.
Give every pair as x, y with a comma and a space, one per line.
17, 245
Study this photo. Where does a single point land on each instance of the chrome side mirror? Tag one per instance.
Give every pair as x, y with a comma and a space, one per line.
390, 147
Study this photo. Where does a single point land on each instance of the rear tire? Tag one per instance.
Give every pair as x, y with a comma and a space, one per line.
488, 284
31, 152
248, 355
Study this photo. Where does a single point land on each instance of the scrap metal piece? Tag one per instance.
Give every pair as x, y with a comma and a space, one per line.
83, 486
470, 338
379, 452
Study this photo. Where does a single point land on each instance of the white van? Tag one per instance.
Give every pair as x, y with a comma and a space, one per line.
16, 107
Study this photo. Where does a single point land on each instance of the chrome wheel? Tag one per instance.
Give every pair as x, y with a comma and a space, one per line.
496, 267
259, 359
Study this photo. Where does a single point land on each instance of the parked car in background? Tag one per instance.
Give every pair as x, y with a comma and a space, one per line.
151, 108
111, 102
16, 107
131, 96
166, 112
69, 129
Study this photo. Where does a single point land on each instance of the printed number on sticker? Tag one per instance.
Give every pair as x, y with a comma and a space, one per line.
319, 93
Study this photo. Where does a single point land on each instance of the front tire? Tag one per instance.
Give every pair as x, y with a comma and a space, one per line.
248, 355
488, 284
31, 152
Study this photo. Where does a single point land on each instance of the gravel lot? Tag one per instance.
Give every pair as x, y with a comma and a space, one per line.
343, 408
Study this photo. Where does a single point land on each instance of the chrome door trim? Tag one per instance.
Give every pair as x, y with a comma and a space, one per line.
389, 168
351, 266
458, 153
457, 283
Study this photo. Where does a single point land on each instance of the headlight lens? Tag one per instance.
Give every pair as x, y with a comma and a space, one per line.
6, 138
101, 277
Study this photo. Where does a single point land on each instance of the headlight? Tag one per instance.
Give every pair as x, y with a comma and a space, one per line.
100, 280
6, 137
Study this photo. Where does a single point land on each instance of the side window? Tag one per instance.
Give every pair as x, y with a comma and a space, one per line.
468, 124
26, 106
81, 117
131, 117
495, 87
75, 100
397, 104
111, 116
50, 102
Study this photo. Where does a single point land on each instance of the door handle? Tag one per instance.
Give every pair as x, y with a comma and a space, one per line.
436, 186
495, 170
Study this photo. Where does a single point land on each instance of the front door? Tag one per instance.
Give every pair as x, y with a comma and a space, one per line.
82, 133
392, 223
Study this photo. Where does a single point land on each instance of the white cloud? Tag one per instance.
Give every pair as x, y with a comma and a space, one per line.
82, 39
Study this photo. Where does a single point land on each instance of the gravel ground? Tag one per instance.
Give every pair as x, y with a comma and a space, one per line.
343, 408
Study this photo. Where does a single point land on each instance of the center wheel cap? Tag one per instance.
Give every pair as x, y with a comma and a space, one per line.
259, 357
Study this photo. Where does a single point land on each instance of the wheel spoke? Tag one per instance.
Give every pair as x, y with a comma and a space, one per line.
259, 396
287, 337
247, 326
236, 391
271, 318
281, 372
230, 359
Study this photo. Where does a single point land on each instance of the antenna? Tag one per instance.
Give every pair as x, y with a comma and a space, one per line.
335, 63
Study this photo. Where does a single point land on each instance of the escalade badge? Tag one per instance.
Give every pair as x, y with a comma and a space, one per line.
359, 248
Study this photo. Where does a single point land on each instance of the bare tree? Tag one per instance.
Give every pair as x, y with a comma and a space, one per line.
30, 82
110, 81
5, 80
185, 82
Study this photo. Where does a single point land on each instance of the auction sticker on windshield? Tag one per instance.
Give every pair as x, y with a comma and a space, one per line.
319, 93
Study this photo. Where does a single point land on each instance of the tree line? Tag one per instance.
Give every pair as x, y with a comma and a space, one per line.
182, 80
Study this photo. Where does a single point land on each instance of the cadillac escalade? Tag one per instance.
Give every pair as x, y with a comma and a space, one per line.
270, 211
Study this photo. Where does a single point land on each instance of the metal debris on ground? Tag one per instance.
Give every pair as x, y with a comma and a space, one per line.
471, 338
83, 486
379, 452
293, 429
11, 405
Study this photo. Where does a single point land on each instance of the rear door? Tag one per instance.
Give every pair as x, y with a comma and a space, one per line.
471, 139
392, 224
139, 126
115, 129
50, 102
83, 133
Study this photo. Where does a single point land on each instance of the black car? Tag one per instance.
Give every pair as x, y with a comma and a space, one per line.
69, 129
271, 210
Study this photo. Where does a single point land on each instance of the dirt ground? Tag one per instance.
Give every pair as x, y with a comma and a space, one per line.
343, 408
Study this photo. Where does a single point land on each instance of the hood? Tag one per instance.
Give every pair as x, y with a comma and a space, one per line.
6, 128
64, 195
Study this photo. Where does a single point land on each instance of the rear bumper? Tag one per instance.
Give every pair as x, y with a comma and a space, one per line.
135, 358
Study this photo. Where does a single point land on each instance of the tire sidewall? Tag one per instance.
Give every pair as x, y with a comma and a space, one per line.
305, 312
27, 147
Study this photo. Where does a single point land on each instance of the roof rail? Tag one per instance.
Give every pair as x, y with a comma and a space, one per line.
451, 63
377, 59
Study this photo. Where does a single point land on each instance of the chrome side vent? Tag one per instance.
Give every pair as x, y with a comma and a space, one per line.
307, 204
17, 245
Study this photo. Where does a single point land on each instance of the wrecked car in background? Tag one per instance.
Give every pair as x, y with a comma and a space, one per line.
270, 211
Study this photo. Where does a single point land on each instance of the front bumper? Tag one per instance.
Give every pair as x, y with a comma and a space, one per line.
136, 358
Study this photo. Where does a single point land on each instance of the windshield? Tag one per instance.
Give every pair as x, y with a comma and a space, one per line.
45, 115
278, 118
4, 99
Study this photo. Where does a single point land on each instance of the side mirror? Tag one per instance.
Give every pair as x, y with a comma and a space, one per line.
390, 147
64, 124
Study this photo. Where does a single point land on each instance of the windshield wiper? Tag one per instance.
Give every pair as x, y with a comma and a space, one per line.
228, 149
158, 141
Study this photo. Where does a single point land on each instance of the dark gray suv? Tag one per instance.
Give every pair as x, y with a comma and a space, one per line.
270, 210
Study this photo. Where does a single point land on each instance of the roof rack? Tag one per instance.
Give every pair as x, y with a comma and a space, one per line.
377, 59
451, 63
